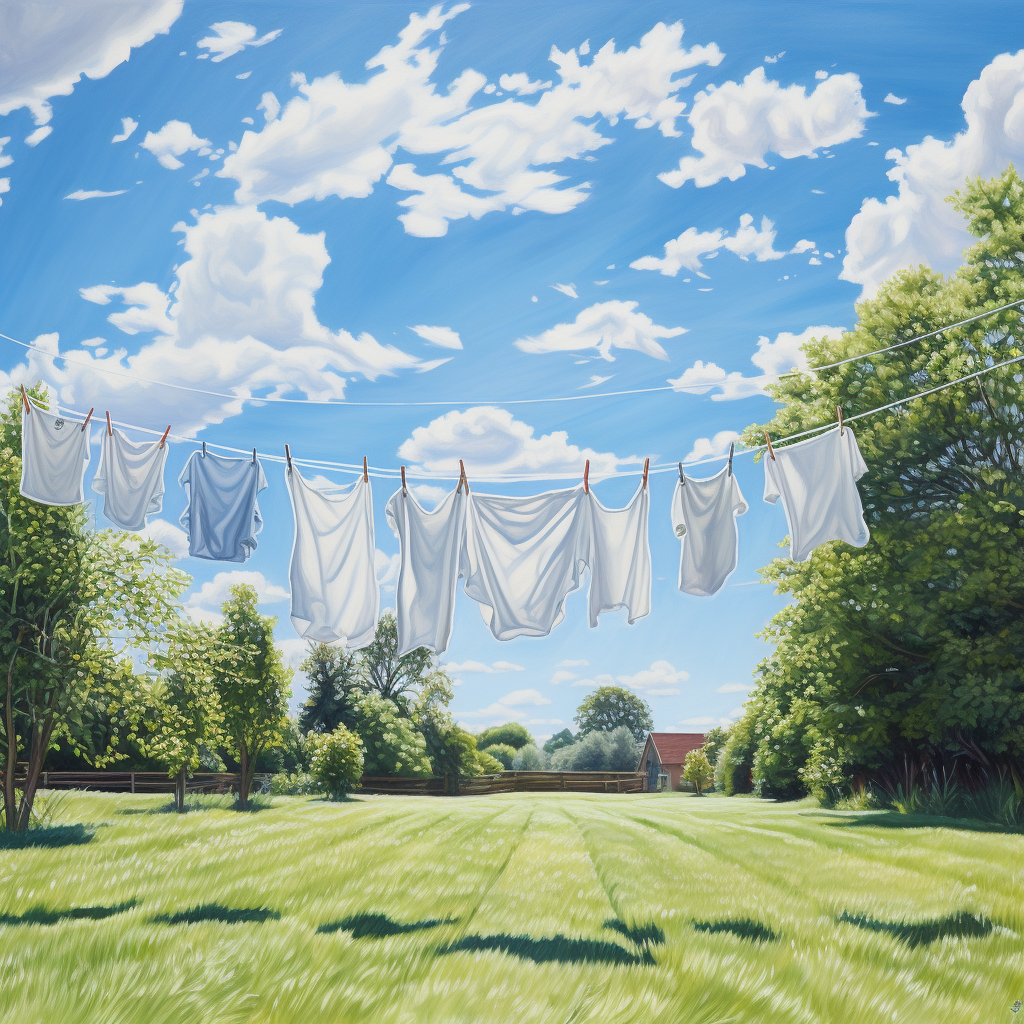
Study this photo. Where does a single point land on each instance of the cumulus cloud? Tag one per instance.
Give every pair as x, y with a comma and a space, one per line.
204, 604
657, 681
917, 225
147, 306
171, 536
94, 194
455, 668
894, 99
5, 186
604, 326
739, 123
561, 676
443, 336
601, 680
127, 127
507, 707
339, 138
520, 83
233, 37
56, 46
566, 289
710, 447
387, 568
5, 158
38, 135
492, 443
174, 139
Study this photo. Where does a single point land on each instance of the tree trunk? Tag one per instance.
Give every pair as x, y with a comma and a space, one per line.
179, 790
11, 754
244, 776
36, 757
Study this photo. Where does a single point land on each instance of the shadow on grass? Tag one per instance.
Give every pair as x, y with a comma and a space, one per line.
557, 949
642, 934
41, 915
742, 928
51, 838
377, 925
204, 802
215, 912
893, 819
920, 933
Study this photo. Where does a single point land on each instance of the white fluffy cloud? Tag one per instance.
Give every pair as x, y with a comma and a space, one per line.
38, 135
387, 568
5, 186
94, 194
455, 668
604, 326
520, 83
492, 443
917, 225
174, 139
562, 676
58, 43
601, 680
687, 249
338, 138
895, 100
507, 707
233, 37
172, 537
445, 337
127, 127
710, 447
5, 158
739, 123
204, 604
657, 681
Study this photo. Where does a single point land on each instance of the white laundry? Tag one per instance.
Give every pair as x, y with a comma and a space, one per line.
222, 517
431, 546
704, 514
523, 556
54, 454
335, 596
130, 477
620, 558
817, 481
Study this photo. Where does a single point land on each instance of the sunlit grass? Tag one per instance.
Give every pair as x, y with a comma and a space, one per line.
513, 908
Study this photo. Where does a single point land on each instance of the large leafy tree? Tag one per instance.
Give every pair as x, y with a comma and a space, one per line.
609, 707
253, 684
334, 687
381, 669
74, 604
911, 650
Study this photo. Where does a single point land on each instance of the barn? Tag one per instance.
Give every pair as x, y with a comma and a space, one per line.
664, 754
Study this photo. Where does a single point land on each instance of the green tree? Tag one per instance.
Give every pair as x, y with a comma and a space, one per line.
253, 685
336, 761
697, 771
334, 687
392, 745
451, 750
609, 707
565, 738
529, 759
512, 733
502, 752
735, 761
75, 604
380, 667
714, 740
599, 751
912, 648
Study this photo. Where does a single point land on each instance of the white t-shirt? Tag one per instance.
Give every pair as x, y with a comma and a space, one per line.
431, 546
817, 481
523, 556
704, 514
54, 454
620, 558
335, 596
130, 477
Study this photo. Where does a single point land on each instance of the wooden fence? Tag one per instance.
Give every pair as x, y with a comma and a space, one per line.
139, 782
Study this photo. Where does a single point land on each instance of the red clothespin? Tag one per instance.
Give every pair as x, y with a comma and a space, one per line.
24, 398
87, 418
586, 478
163, 439
647, 466
110, 431
288, 456
366, 476
771, 450
404, 491
839, 413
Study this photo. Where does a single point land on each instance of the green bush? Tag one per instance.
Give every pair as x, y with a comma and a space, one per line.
529, 759
503, 752
736, 758
511, 734
615, 751
488, 765
697, 771
565, 738
295, 784
336, 761
391, 744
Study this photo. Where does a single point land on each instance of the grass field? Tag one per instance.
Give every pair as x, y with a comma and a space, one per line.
514, 908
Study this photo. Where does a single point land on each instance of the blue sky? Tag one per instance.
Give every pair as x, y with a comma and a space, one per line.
699, 229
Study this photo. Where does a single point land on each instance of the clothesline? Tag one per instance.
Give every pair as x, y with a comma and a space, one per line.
389, 473
698, 387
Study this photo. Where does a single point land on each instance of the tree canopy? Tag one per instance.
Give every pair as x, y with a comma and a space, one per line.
609, 707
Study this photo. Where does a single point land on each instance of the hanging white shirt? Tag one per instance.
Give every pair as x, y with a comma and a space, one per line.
523, 556
54, 454
430, 546
335, 596
704, 514
620, 558
817, 481
130, 477
222, 517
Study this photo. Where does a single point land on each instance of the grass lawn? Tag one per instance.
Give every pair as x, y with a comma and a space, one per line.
514, 908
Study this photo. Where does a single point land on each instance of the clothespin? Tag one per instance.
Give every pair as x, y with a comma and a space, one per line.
682, 479
24, 398
463, 479
771, 450
163, 440
732, 448
288, 456
110, 432
366, 476
839, 413
404, 491
254, 456
586, 478
647, 465
204, 449
87, 418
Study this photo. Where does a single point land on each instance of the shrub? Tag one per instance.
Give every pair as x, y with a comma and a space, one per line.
697, 770
529, 759
488, 765
296, 784
336, 761
391, 744
734, 763
511, 734
615, 751
502, 752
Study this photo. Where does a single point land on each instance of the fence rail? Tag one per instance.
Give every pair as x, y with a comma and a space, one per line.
138, 782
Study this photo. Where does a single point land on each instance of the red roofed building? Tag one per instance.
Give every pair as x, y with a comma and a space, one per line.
664, 753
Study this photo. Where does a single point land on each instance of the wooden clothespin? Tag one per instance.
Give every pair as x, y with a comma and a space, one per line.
24, 398
204, 449
647, 466
366, 475
163, 440
463, 479
87, 418
288, 456
839, 413
110, 432
732, 448
771, 450
682, 479
404, 491
586, 477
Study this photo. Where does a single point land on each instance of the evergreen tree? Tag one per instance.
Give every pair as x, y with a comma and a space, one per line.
334, 687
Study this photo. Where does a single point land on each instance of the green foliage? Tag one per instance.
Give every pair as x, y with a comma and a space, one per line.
334, 686
381, 669
451, 750
294, 784
615, 751
512, 734
912, 647
336, 761
488, 765
253, 686
610, 707
697, 770
529, 759
502, 752
561, 739
735, 760
391, 744
714, 741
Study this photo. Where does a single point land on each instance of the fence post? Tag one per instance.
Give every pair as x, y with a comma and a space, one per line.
561, 778
133, 782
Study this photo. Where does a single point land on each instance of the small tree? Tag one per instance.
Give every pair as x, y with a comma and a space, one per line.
511, 733
697, 770
253, 685
391, 743
334, 687
714, 741
609, 707
336, 761
381, 669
